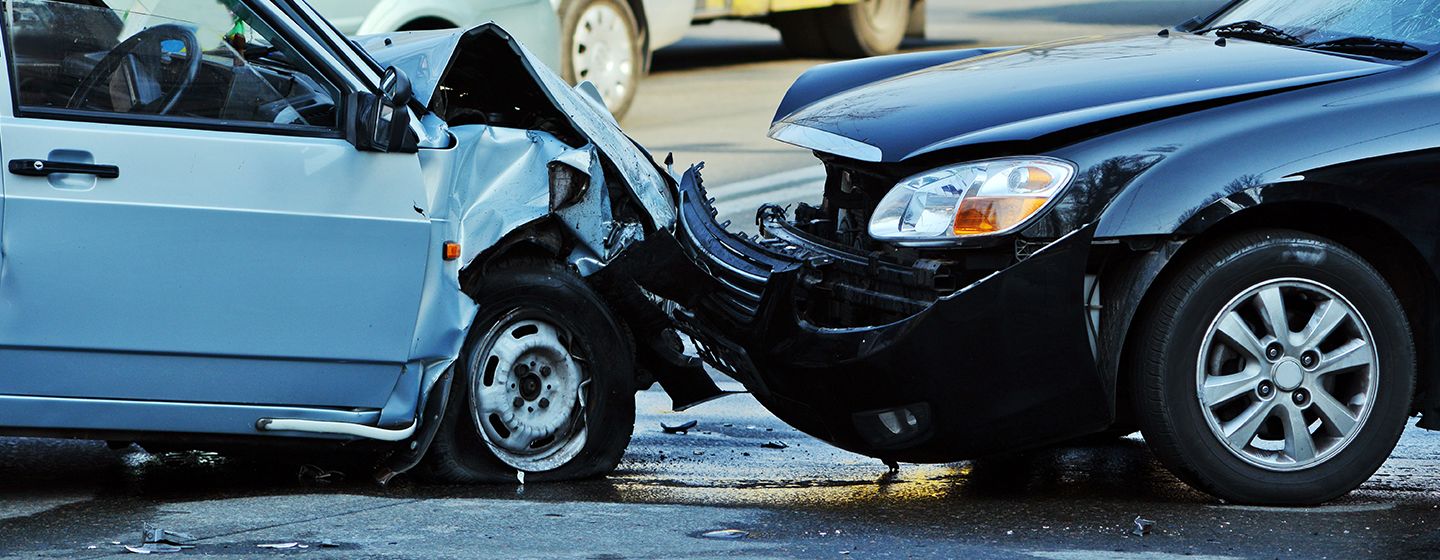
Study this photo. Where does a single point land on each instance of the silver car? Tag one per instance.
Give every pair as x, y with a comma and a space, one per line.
224, 221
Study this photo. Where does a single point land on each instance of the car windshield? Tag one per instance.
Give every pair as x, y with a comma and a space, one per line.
1354, 24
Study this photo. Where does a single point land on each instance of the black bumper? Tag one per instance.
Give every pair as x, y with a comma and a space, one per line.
1003, 363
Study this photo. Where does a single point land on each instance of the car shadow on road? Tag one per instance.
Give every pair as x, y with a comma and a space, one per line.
706, 53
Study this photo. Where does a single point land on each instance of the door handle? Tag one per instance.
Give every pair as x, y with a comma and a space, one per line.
44, 168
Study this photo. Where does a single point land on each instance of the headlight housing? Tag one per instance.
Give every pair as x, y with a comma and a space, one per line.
982, 198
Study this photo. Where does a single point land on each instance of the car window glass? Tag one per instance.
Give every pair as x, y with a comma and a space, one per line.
1411, 21
195, 59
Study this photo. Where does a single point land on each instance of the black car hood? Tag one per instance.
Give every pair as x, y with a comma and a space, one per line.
1027, 93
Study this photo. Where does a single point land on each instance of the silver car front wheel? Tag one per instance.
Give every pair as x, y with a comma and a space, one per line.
528, 402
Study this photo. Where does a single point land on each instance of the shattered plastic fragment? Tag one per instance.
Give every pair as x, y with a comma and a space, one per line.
1142, 526
727, 534
679, 429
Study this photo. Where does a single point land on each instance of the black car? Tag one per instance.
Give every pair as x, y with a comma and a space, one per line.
1225, 235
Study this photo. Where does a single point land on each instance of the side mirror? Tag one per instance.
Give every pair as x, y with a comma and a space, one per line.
383, 120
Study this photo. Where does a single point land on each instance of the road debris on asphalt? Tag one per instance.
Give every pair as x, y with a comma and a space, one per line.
682, 429
281, 546
155, 540
726, 534
153, 548
1142, 526
774, 445
319, 475
158, 535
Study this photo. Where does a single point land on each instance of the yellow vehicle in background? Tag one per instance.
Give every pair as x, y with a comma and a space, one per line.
828, 28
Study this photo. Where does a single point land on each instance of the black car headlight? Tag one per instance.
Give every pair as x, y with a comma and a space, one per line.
990, 197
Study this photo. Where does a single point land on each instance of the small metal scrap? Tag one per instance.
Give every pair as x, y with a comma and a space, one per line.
278, 546
156, 535
155, 540
1142, 526
774, 445
679, 429
726, 534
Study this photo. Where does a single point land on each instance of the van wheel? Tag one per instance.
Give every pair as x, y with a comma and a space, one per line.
600, 42
801, 32
1276, 368
545, 383
867, 28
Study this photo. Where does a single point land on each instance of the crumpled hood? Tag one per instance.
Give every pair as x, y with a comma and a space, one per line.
427, 57
1027, 93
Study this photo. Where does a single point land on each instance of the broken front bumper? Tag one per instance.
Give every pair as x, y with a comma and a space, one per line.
1003, 363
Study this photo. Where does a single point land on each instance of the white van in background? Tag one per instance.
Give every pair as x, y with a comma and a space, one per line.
607, 42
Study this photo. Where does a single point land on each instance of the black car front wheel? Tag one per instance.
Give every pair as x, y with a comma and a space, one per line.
1274, 368
544, 385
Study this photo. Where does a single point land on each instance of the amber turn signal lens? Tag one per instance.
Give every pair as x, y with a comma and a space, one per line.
452, 250
982, 215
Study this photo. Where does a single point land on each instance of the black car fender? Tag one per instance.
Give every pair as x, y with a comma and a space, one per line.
1352, 161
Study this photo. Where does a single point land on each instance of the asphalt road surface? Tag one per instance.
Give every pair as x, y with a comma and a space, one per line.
711, 99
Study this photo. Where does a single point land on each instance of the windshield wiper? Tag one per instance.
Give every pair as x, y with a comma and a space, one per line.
1384, 48
1254, 31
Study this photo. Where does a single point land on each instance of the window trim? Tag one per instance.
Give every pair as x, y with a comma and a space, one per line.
330, 75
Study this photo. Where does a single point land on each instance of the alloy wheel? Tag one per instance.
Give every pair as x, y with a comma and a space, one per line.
1287, 374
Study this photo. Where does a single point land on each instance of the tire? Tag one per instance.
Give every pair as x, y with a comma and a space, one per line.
801, 33
601, 42
1183, 343
549, 315
867, 28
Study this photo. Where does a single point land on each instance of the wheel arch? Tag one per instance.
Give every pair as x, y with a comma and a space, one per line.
543, 238
426, 23
1392, 254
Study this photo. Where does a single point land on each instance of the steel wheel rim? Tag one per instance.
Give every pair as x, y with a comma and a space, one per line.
1284, 399
528, 392
602, 51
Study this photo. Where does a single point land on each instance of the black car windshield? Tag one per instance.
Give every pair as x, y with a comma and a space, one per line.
1383, 28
